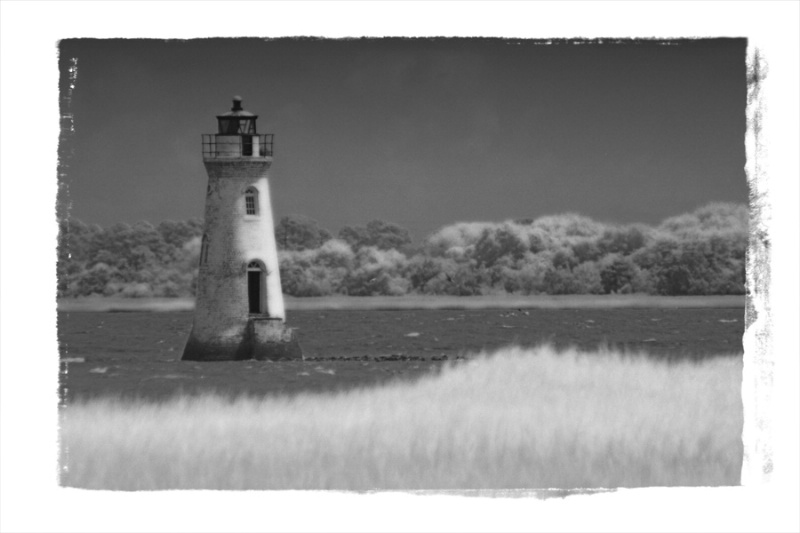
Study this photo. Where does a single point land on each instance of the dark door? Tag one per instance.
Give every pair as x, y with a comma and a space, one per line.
254, 290
247, 145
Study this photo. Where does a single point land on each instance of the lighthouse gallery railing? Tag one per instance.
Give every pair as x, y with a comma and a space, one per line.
259, 145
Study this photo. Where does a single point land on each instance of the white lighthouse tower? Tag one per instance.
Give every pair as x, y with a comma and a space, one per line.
239, 311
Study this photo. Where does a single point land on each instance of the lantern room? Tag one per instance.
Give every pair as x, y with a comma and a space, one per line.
236, 136
237, 121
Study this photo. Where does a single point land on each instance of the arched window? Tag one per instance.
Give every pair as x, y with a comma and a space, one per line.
204, 250
251, 201
256, 288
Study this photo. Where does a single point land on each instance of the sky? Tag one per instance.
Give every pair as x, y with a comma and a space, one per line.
420, 132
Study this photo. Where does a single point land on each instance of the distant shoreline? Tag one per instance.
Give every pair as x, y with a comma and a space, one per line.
572, 301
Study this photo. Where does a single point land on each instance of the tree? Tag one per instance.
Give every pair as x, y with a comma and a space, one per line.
356, 236
714, 217
131, 260
378, 233
297, 232
698, 253
387, 235
175, 234
564, 258
95, 280
141, 257
465, 280
624, 241
496, 244
377, 272
421, 270
586, 250
559, 281
617, 273
669, 270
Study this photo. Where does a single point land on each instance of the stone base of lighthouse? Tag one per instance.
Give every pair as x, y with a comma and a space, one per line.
261, 339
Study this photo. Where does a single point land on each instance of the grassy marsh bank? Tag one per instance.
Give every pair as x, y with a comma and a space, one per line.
421, 302
516, 419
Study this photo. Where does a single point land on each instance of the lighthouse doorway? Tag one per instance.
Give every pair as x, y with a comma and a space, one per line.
255, 288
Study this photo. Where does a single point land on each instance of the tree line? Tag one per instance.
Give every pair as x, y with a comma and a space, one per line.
697, 253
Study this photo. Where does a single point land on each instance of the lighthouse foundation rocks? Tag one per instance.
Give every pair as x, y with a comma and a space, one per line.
263, 339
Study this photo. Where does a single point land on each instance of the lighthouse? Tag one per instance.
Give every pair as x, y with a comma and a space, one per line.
239, 311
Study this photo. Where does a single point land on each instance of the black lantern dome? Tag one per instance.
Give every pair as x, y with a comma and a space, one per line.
237, 121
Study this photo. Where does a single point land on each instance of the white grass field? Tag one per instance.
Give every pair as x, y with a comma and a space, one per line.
514, 419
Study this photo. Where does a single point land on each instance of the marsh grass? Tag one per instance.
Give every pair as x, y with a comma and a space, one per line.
514, 419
